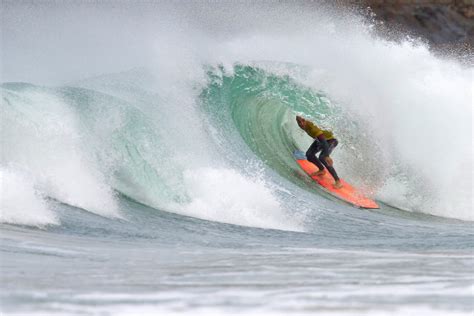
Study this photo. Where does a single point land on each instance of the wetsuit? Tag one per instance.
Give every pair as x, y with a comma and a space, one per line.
325, 142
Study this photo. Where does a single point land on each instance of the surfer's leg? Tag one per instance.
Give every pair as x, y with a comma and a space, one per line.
311, 154
331, 169
325, 154
332, 144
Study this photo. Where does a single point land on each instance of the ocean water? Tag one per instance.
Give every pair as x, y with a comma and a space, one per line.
160, 179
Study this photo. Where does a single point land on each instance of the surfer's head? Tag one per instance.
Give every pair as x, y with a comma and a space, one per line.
301, 121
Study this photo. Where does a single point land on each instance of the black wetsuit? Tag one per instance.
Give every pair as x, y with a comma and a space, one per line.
326, 147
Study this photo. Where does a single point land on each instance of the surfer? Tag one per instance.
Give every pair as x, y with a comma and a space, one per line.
325, 142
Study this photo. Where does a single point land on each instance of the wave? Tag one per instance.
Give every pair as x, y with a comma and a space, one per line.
226, 160
219, 108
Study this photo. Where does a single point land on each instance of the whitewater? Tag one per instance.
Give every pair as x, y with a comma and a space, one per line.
146, 163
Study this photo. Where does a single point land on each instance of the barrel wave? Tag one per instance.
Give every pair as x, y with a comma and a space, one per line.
262, 107
114, 135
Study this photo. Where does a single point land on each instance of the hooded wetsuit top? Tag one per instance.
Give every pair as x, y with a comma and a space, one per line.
314, 131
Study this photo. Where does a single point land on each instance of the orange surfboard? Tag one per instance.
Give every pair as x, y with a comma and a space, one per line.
347, 193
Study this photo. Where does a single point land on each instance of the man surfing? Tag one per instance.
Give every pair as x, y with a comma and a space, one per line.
325, 142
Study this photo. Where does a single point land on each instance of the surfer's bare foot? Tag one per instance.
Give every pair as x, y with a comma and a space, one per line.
318, 173
338, 184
